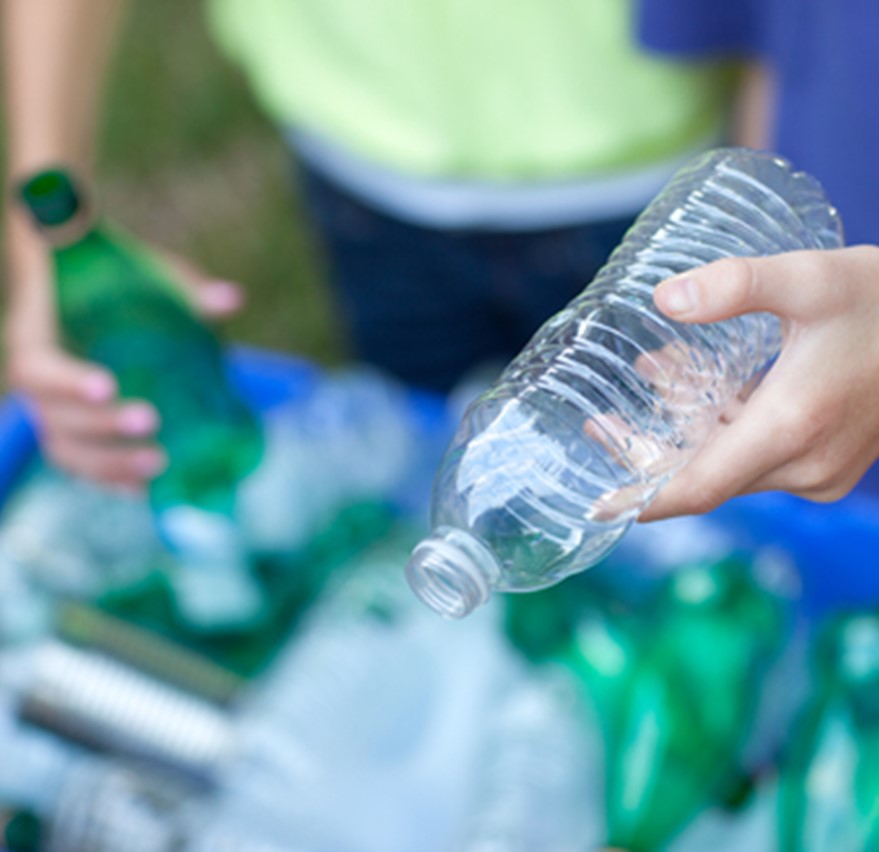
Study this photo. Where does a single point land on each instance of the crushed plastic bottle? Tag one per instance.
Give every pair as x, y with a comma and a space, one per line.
610, 398
350, 440
540, 783
76, 539
106, 705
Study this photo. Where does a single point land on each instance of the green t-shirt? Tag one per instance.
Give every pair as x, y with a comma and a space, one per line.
485, 89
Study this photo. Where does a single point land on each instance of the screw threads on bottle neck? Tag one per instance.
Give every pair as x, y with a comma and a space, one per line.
452, 572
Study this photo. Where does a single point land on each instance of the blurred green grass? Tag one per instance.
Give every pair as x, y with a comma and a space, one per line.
189, 163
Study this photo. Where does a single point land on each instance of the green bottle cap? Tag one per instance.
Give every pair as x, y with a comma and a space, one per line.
22, 833
52, 197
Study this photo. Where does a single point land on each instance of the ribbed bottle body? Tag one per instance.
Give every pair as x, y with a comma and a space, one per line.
611, 398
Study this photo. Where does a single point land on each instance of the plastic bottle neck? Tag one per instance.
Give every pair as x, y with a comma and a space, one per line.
59, 206
452, 572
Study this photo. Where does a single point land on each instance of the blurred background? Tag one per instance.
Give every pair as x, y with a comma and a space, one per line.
190, 163
712, 685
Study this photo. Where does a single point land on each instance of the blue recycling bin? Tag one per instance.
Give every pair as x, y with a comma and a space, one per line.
835, 547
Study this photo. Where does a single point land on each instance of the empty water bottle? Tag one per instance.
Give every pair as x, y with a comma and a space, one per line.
540, 778
362, 645
610, 398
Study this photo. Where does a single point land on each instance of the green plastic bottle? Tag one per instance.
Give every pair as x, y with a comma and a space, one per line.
829, 790
22, 831
118, 305
686, 704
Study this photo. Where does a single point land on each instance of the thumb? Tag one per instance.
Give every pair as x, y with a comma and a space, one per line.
214, 298
48, 372
785, 284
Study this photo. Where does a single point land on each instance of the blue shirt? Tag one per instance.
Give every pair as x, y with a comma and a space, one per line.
826, 57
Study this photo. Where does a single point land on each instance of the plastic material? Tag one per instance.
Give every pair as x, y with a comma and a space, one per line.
830, 785
610, 398
538, 781
119, 306
676, 745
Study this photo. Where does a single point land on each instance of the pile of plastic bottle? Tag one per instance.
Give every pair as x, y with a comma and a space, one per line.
674, 697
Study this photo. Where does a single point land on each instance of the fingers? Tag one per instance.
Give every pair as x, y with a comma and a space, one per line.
112, 444
793, 286
90, 422
110, 464
214, 298
47, 372
83, 426
811, 427
733, 462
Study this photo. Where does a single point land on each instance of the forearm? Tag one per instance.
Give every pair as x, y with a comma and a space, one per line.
752, 121
54, 56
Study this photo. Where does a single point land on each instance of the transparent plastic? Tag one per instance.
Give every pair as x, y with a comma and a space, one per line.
551, 465
539, 777
350, 440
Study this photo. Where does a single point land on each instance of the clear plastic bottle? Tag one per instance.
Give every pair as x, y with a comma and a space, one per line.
360, 647
610, 398
540, 775
350, 440
76, 539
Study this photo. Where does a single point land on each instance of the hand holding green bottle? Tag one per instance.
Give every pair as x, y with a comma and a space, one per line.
118, 305
86, 427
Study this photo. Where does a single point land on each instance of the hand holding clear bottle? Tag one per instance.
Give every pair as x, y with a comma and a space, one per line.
611, 398
811, 426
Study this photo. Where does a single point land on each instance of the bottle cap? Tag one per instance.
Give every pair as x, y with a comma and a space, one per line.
23, 832
52, 197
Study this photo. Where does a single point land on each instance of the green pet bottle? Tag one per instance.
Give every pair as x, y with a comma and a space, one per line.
118, 305
829, 790
687, 706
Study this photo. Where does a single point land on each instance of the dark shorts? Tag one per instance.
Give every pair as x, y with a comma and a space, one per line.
427, 305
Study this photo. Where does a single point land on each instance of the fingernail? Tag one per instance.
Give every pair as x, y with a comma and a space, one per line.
678, 296
99, 387
149, 463
220, 295
138, 420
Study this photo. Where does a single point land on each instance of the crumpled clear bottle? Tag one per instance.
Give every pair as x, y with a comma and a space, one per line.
610, 398
539, 775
